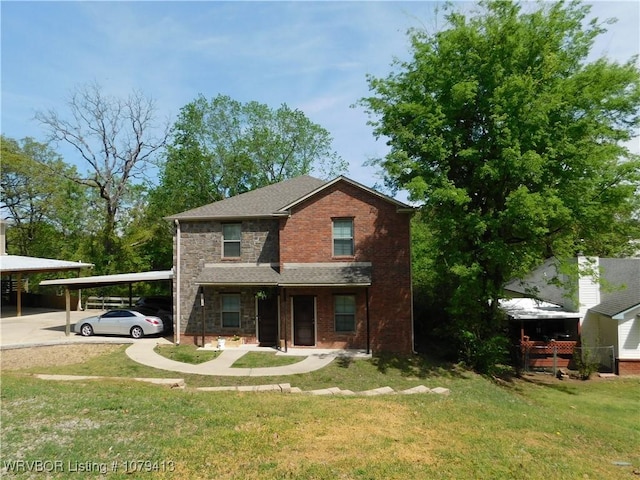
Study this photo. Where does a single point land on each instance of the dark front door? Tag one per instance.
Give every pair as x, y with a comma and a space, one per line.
268, 321
304, 320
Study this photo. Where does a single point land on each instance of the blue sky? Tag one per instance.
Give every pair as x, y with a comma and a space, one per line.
313, 56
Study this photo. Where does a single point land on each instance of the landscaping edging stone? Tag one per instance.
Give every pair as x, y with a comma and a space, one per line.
280, 387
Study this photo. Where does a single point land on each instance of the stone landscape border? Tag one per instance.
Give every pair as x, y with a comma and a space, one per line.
280, 387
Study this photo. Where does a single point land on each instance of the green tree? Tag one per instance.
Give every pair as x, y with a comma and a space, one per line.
223, 147
46, 211
515, 144
117, 139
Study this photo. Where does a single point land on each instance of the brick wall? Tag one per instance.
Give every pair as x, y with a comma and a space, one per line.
382, 237
325, 334
628, 367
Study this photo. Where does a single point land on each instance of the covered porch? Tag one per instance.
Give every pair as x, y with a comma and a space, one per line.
301, 306
545, 334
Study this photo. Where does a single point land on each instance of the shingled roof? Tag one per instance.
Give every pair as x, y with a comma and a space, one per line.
273, 200
328, 274
259, 203
622, 276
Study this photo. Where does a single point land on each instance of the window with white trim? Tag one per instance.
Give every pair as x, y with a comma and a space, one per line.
345, 313
231, 234
343, 237
230, 308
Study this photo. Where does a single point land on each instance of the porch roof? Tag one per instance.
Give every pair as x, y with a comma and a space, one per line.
291, 275
532, 309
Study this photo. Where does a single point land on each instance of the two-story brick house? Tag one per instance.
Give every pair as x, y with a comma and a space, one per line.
301, 263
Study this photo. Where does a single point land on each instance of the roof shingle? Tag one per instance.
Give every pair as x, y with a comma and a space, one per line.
622, 276
262, 202
330, 274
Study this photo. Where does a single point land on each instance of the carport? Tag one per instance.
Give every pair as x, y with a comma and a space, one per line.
105, 281
20, 266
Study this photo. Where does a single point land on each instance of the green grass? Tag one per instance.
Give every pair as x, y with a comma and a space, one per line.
534, 428
265, 359
186, 353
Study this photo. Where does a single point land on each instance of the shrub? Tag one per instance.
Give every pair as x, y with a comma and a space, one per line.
484, 356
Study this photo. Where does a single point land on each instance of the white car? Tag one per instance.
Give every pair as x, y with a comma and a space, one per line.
120, 322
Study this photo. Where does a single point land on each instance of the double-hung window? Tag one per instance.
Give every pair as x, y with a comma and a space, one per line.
231, 234
345, 313
230, 306
343, 237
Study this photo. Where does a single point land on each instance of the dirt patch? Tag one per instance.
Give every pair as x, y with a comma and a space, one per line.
19, 358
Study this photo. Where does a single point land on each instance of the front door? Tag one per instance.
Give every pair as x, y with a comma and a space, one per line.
304, 320
268, 321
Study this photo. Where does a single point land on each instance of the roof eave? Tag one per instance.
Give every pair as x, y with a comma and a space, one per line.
235, 284
621, 315
224, 218
301, 285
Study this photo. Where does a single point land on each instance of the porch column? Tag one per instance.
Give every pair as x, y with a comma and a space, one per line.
368, 321
284, 296
201, 293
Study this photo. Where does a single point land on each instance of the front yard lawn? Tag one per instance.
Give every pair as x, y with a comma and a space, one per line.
537, 427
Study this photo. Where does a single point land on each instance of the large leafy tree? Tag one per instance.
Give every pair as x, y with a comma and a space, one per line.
116, 139
47, 212
515, 144
222, 147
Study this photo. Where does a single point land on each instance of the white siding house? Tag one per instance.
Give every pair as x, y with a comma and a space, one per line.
604, 292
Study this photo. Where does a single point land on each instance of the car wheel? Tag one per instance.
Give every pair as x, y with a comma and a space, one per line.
136, 332
86, 330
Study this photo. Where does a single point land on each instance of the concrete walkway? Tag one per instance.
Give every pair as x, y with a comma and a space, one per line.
40, 327
143, 352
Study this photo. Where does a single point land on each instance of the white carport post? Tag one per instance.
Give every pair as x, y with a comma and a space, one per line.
67, 301
19, 296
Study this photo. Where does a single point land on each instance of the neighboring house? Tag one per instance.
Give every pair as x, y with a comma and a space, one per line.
600, 304
301, 263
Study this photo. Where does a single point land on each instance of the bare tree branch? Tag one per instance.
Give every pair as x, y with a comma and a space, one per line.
115, 138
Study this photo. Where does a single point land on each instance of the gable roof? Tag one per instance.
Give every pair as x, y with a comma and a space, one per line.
273, 200
623, 276
261, 202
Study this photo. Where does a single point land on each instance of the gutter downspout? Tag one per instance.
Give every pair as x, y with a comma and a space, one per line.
177, 284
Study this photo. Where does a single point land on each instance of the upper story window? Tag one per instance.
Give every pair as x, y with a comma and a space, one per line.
231, 233
343, 237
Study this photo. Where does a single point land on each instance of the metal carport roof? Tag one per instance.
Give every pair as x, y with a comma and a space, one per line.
21, 265
107, 280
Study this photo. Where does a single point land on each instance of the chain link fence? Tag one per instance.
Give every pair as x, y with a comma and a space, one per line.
550, 358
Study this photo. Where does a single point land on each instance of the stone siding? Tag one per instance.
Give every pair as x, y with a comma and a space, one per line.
201, 244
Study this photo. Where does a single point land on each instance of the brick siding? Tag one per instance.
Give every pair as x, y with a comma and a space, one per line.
382, 237
628, 367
